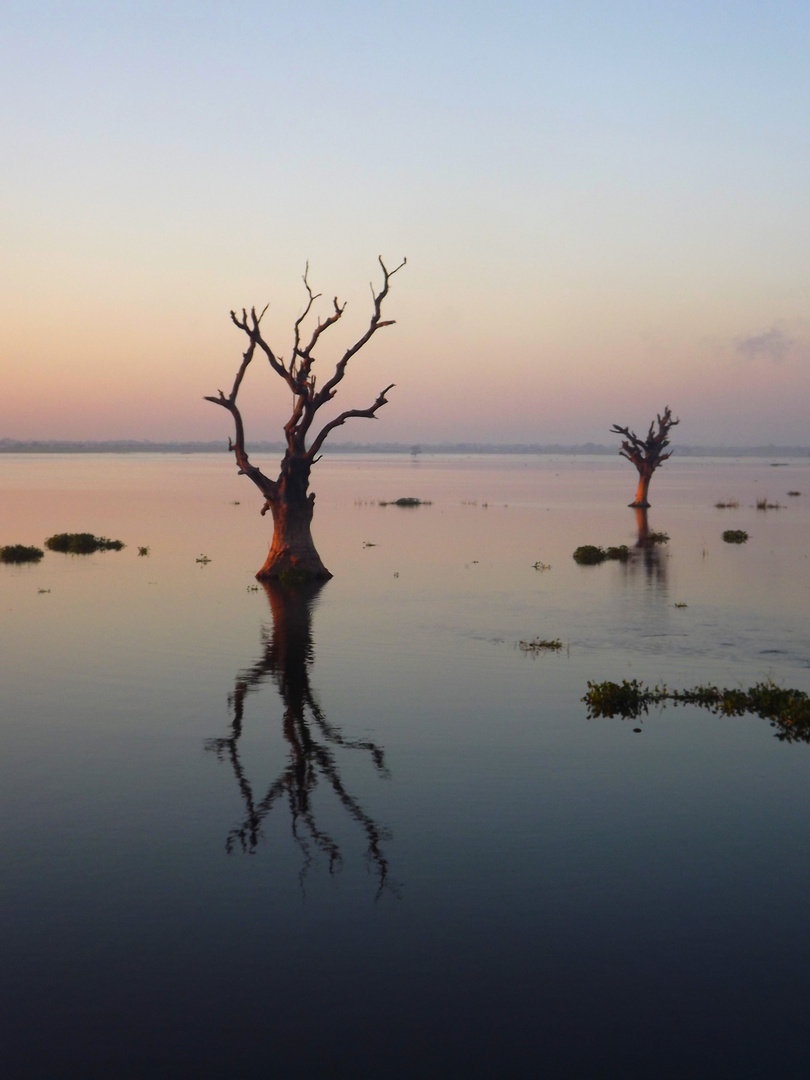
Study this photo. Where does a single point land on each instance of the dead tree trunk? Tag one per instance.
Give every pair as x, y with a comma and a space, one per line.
292, 554
646, 454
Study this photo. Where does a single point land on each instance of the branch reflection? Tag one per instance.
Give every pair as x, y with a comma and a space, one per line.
286, 660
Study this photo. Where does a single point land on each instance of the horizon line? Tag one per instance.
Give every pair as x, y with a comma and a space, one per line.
22, 446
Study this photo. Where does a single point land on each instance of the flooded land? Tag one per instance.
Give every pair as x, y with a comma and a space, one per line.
372, 828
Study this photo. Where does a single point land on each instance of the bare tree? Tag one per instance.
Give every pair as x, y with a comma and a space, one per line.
646, 454
287, 497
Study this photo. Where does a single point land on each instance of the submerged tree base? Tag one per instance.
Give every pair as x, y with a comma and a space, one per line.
293, 569
295, 577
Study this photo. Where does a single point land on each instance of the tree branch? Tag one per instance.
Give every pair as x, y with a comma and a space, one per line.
375, 323
647, 454
267, 486
253, 331
348, 415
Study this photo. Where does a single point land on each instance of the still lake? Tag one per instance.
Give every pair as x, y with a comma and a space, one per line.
362, 832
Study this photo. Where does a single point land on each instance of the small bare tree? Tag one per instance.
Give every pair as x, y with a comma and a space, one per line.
288, 498
646, 454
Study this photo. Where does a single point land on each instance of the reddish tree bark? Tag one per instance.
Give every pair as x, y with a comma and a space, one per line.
646, 454
292, 552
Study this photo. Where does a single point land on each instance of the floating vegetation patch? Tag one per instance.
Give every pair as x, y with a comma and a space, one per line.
590, 555
81, 543
735, 536
654, 537
540, 645
794, 494
786, 710
203, 560
680, 605
20, 553
143, 551
541, 566
406, 502
728, 504
763, 504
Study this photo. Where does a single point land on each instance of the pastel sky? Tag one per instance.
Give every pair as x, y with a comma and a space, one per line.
604, 207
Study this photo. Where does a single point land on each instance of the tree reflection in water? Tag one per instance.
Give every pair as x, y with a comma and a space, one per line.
286, 660
649, 555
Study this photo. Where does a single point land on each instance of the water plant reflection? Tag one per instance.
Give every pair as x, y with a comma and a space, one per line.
286, 660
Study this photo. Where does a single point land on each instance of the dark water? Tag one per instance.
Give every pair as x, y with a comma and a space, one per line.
361, 832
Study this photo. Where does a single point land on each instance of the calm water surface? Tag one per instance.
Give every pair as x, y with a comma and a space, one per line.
361, 832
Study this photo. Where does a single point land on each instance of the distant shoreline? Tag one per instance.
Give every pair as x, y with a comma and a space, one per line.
56, 446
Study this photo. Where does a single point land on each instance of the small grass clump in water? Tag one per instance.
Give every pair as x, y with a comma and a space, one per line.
729, 504
541, 645
20, 553
405, 502
763, 504
735, 536
654, 537
794, 494
81, 543
590, 555
143, 551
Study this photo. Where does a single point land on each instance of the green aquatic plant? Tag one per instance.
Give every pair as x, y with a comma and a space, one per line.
627, 698
142, 551
763, 504
20, 553
654, 537
786, 710
590, 555
81, 543
541, 645
728, 504
620, 553
409, 501
735, 536
541, 566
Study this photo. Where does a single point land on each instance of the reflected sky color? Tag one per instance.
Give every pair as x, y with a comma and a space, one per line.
603, 206
523, 890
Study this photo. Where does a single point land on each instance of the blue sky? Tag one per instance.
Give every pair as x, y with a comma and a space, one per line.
603, 206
